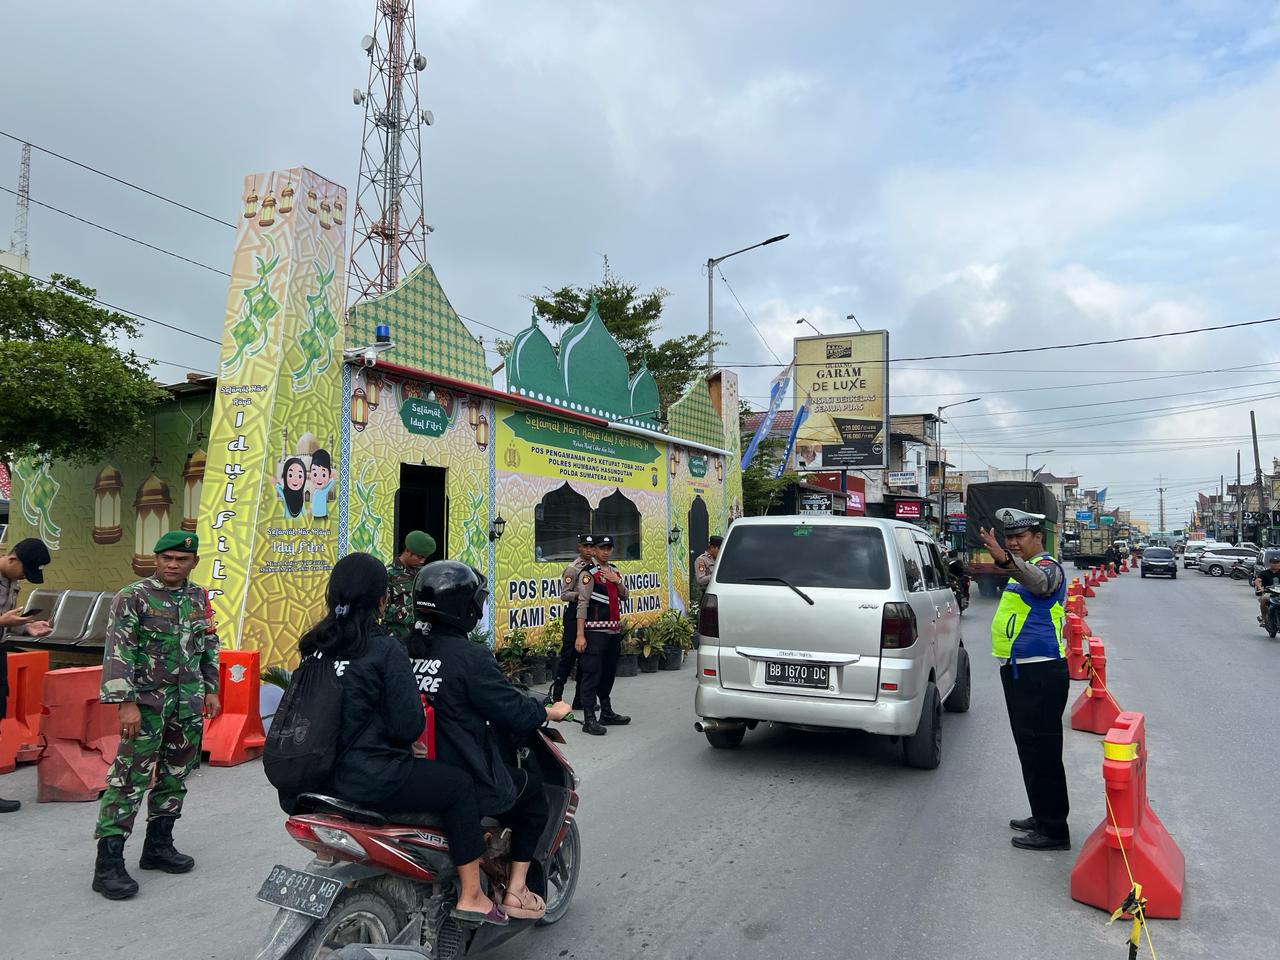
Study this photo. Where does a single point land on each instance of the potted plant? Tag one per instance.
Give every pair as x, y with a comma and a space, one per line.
650, 643
513, 656
552, 635
628, 665
676, 632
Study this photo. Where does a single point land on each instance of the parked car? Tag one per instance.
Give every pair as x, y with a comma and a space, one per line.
1159, 561
1191, 555
831, 623
1218, 560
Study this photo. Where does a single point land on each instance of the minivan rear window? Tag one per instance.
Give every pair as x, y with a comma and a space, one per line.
826, 556
1159, 553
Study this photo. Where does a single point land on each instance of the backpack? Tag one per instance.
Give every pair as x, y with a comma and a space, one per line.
302, 744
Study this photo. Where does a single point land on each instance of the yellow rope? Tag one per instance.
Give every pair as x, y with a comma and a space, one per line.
1139, 913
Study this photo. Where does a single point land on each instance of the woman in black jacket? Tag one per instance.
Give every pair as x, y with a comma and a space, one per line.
380, 763
475, 706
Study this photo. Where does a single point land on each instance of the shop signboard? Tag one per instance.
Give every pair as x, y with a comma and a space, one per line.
1084, 516
907, 509
815, 503
902, 478
843, 380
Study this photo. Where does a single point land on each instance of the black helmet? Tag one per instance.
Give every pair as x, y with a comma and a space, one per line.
449, 592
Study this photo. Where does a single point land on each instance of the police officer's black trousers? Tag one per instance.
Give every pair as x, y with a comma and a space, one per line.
599, 664
1035, 699
568, 655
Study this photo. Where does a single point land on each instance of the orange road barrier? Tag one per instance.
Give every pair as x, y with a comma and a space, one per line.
236, 735
1130, 846
20, 725
81, 734
1077, 605
1088, 589
1095, 710
1074, 632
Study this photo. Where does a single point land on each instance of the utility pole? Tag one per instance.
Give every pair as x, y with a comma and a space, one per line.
1239, 504
1257, 467
1160, 489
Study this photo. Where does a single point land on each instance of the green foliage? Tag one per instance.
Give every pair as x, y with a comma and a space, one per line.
550, 637
277, 677
628, 635
671, 629
513, 656
73, 393
634, 320
482, 637
759, 490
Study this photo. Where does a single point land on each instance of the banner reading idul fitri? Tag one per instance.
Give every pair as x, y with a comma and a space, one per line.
843, 380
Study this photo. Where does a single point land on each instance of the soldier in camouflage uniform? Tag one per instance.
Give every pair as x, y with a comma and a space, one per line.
399, 617
161, 666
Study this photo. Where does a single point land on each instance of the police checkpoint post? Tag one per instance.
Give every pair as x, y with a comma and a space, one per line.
569, 594
161, 666
399, 618
705, 565
1026, 637
25, 561
599, 638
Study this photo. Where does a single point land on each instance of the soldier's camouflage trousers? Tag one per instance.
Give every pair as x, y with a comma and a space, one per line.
166, 741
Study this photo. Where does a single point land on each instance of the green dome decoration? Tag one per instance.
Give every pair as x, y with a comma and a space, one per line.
532, 364
644, 394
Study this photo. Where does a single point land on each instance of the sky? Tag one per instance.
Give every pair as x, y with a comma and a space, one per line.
969, 176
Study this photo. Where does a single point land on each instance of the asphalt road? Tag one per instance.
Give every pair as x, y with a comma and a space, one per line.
796, 845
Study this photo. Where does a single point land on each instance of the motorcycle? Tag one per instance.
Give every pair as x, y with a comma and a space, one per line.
1243, 570
958, 579
1271, 622
386, 879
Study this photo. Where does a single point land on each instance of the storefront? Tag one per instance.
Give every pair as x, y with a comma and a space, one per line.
319, 438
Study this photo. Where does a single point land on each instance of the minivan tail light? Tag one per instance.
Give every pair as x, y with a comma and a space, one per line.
897, 626
708, 617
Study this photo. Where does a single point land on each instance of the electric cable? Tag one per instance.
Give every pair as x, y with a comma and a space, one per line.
772, 352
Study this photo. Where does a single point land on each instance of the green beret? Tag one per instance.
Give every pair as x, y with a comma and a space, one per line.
179, 540
422, 544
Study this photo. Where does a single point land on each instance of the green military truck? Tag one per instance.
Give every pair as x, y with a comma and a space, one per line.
983, 500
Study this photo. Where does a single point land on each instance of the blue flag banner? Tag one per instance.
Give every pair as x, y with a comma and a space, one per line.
777, 392
1102, 495
801, 416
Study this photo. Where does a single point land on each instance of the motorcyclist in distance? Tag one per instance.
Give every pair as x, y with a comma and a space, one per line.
1265, 579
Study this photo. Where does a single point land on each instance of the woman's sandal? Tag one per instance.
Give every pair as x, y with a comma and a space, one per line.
496, 916
532, 906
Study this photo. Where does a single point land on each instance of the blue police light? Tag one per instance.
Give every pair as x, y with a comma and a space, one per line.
383, 333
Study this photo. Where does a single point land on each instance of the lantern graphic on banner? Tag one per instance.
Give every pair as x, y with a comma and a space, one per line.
719, 469
268, 211
251, 204
373, 391
674, 461
106, 505
339, 217
286, 198
325, 219
311, 202
359, 409
192, 483
482, 432
151, 522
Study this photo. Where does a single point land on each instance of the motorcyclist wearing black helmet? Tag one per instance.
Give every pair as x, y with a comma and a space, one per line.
475, 706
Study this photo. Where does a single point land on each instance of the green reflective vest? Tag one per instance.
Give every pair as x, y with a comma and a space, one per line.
1029, 626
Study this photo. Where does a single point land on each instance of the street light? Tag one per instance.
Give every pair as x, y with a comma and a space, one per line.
850, 316
811, 326
1026, 460
712, 263
937, 454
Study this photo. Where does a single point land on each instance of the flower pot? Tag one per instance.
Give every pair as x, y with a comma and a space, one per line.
672, 659
553, 664
537, 671
649, 664
628, 665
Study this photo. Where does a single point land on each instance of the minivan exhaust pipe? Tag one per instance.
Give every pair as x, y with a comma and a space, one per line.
709, 725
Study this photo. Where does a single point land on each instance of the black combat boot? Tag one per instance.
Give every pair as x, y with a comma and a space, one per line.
110, 878
13, 806
158, 852
608, 717
590, 725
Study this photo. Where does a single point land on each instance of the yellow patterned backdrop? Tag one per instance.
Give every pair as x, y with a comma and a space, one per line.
684, 464
268, 526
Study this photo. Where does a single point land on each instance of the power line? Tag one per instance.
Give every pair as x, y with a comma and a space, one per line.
748, 316
127, 312
124, 236
122, 182
481, 323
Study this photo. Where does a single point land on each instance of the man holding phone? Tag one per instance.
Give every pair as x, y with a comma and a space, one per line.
24, 562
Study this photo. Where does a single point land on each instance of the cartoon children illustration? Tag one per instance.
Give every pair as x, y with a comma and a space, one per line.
322, 481
292, 487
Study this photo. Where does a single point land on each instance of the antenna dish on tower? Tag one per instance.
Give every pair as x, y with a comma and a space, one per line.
419, 62
366, 43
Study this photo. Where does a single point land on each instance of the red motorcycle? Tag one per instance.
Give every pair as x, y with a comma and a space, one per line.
387, 879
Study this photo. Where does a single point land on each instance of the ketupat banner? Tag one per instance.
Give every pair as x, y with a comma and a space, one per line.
844, 379
267, 526
557, 478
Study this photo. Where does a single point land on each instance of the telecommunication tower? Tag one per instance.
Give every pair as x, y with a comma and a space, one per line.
390, 231
17, 257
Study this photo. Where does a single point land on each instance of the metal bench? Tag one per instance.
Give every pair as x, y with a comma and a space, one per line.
95, 631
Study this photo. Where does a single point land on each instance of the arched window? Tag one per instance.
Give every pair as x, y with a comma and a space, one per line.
618, 517
557, 520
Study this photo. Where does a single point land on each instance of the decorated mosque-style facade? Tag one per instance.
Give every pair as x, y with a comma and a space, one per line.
297, 454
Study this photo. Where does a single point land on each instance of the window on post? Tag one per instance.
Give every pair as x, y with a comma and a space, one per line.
619, 518
558, 519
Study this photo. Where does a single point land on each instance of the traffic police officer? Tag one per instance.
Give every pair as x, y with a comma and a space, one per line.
399, 616
1026, 637
569, 594
161, 666
705, 565
599, 637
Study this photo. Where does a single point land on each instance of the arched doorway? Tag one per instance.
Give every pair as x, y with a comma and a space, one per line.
698, 533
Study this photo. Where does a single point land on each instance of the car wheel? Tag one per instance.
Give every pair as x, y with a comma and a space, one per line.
923, 750
726, 739
1216, 570
1174, 575
1144, 574
958, 700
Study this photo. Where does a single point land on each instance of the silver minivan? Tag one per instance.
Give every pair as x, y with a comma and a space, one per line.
830, 622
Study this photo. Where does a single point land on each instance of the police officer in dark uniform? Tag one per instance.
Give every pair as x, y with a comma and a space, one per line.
569, 594
599, 637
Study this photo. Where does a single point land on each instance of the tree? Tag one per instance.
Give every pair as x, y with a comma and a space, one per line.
71, 392
760, 490
633, 319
